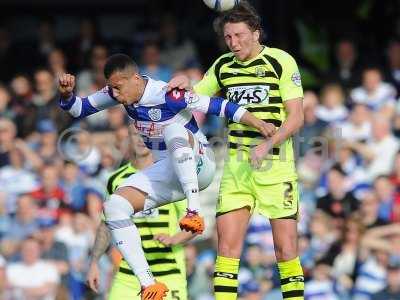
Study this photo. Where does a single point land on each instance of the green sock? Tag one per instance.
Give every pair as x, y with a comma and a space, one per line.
226, 278
292, 279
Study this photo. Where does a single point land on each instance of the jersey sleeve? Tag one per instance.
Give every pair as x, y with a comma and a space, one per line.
290, 81
209, 84
178, 100
82, 107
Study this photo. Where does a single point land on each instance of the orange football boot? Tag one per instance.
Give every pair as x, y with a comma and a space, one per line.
156, 291
192, 222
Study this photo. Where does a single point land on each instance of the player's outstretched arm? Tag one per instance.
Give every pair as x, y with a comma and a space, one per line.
82, 107
101, 244
178, 100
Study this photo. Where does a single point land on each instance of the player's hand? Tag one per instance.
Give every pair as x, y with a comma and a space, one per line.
164, 239
259, 153
93, 277
66, 85
180, 81
266, 129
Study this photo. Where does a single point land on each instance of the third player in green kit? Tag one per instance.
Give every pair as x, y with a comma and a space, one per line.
160, 236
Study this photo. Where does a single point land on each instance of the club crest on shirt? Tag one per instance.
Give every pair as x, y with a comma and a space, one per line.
260, 72
296, 78
191, 98
105, 89
154, 114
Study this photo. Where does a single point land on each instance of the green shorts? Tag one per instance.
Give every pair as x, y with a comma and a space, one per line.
242, 186
127, 287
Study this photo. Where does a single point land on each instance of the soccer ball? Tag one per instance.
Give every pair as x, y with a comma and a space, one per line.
221, 5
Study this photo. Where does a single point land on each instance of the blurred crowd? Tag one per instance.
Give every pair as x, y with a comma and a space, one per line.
53, 172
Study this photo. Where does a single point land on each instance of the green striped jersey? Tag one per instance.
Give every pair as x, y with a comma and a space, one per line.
261, 85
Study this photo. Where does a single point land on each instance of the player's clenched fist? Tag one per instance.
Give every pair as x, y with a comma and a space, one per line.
66, 85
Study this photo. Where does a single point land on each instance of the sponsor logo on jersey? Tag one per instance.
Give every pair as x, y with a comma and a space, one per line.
184, 157
105, 89
248, 94
199, 165
225, 275
177, 94
296, 78
154, 114
191, 98
296, 279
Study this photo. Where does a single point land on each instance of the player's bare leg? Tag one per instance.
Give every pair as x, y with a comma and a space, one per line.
231, 229
118, 210
284, 232
180, 144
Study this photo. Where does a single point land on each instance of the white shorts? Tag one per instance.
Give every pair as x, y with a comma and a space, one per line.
162, 185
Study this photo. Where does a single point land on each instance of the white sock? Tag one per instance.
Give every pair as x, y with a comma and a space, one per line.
127, 238
184, 163
185, 168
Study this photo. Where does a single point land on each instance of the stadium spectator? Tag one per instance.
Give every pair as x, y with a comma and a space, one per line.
55, 253
369, 210
151, 65
177, 51
199, 274
22, 105
378, 95
84, 42
78, 239
321, 285
392, 290
8, 133
388, 199
393, 64
57, 62
74, 187
50, 197
357, 128
322, 236
46, 146
16, 178
46, 101
92, 79
346, 66
338, 202
24, 224
381, 141
343, 255
313, 127
332, 107
5, 103
32, 278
